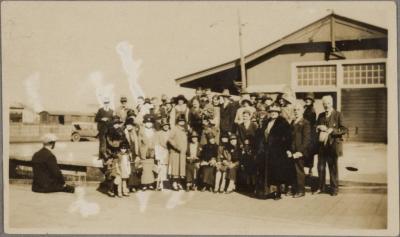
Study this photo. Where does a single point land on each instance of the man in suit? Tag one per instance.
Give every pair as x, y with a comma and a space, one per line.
301, 138
330, 129
227, 114
103, 119
47, 176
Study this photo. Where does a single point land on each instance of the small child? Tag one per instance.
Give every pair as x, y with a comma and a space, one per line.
162, 155
192, 161
233, 163
221, 165
208, 158
123, 167
250, 168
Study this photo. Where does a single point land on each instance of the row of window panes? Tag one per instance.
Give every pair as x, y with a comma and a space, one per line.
355, 74
316, 75
364, 74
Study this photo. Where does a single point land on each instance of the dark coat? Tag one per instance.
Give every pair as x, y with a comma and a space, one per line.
301, 137
47, 175
103, 125
334, 121
278, 167
227, 117
247, 133
310, 115
195, 120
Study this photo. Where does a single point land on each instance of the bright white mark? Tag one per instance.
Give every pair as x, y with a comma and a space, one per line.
143, 198
175, 200
102, 90
131, 68
32, 86
83, 207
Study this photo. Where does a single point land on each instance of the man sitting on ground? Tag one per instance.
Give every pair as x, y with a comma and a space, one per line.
47, 176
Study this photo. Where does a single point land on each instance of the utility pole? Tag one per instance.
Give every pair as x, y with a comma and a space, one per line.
242, 65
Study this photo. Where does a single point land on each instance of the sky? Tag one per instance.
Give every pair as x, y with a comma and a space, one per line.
69, 55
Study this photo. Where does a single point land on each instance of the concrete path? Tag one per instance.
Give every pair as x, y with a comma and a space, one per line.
193, 213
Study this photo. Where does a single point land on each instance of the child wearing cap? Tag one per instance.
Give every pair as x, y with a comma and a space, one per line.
192, 161
208, 159
162, 154
222, 164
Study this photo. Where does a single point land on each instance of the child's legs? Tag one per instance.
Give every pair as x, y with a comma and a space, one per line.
124, 186
218, 176
223, 179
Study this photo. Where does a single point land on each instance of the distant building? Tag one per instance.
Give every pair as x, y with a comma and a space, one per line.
20, 113
62, 117
335, 56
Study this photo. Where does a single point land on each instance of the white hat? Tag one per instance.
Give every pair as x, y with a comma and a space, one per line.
49, 137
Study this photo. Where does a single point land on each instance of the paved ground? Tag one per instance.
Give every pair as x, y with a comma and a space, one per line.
194, 213
362, 204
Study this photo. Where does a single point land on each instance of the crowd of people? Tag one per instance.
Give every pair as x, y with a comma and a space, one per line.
253, 143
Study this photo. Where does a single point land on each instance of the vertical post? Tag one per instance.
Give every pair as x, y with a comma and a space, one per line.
242, 65
333, 43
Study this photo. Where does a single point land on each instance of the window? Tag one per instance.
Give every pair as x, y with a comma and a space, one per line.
364, 74
316, 75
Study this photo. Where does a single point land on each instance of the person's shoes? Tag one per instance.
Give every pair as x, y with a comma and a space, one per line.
221, 191
144, 189
125, 194
203, 189
289, 193
180, 187
334, 193
299, 195
320, 191
111, 194
119, 195
277, 196
215, 191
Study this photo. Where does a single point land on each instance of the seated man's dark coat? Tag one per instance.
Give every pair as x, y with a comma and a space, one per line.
47, 175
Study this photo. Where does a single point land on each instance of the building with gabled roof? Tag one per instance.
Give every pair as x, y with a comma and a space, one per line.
334, 55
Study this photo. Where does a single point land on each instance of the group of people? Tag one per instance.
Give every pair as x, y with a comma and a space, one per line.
253, 143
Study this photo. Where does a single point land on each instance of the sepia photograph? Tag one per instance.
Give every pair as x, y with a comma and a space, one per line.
200, 117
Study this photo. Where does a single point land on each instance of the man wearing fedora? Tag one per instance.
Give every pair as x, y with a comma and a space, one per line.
227, 113
103, 119
330, 127
122, 110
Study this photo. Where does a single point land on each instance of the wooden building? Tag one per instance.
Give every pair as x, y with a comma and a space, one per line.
20, 113
60, 117
335, 55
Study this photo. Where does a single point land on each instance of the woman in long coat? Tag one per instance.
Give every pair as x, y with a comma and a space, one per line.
311, 116
276, 167
147, 144
178, 143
